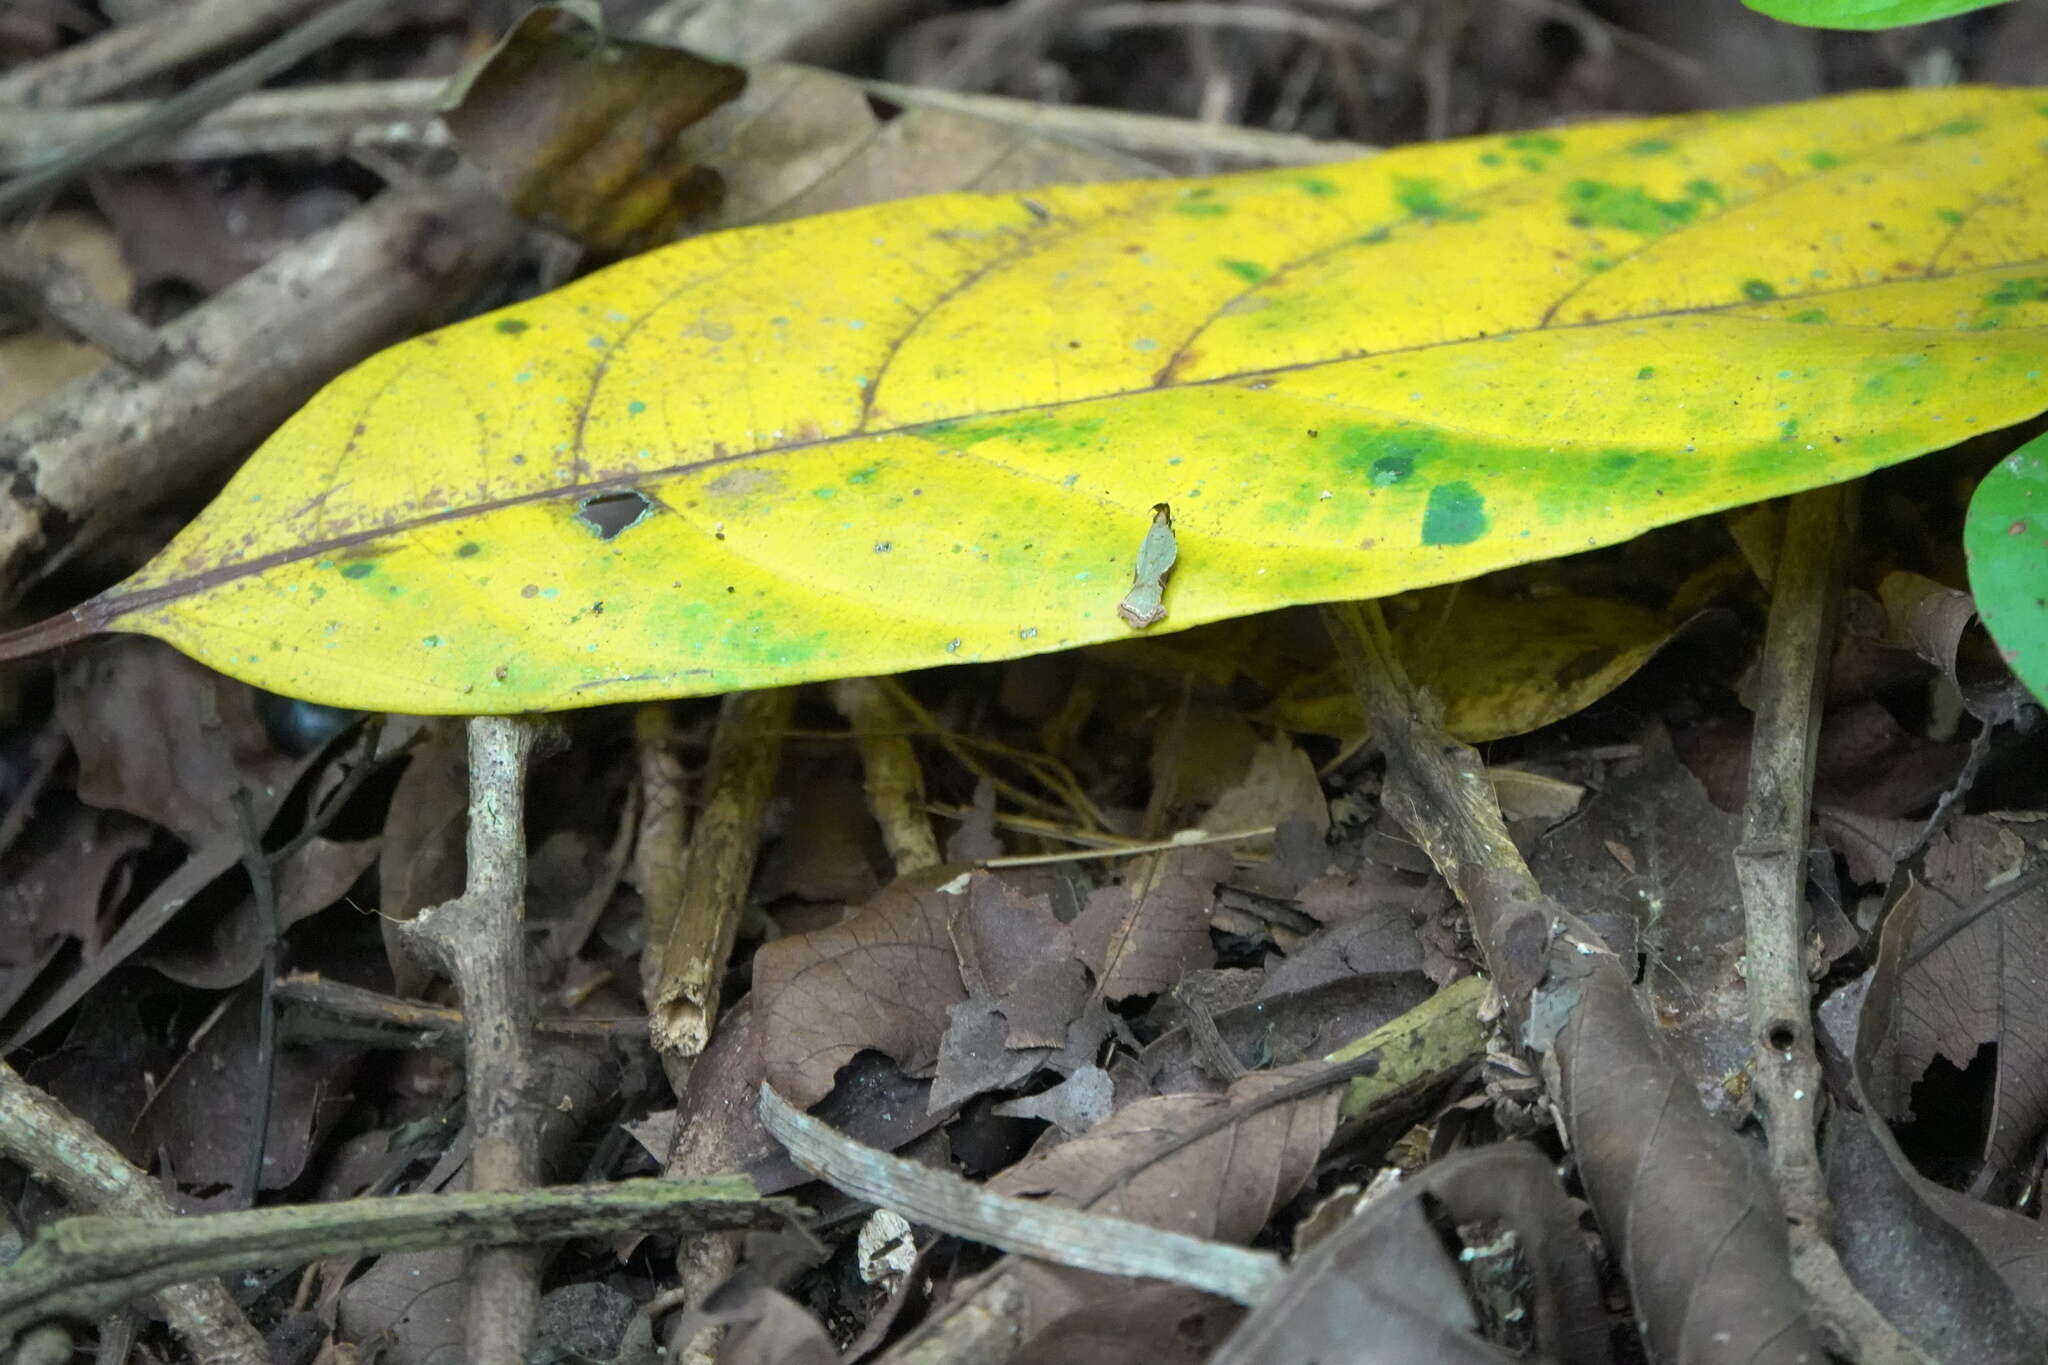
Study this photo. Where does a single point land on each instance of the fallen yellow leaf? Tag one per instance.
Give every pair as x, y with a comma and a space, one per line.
933, 430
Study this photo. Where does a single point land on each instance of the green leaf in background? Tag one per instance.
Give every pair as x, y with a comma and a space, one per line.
1865, 13
2006, 538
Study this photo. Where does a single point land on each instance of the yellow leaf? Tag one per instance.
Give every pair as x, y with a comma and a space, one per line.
1499, 665
933, 431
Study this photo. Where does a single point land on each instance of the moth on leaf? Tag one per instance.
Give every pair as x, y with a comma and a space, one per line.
1145, 605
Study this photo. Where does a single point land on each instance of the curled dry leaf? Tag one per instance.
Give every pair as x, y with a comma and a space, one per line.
882, 979
1977, 985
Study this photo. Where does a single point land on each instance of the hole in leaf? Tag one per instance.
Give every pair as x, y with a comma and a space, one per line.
609, 514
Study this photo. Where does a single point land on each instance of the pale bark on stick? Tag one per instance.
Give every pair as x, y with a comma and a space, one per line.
890, 771
479, 940
1653, 1185
318, 119
61, 1150
83, 1267
133, 52
745, 751
1770, 869
96, 452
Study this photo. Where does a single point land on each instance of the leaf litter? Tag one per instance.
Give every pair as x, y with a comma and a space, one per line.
1093, 1032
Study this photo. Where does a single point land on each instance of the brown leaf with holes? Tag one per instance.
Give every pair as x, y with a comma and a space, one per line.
1980, 988
882, 979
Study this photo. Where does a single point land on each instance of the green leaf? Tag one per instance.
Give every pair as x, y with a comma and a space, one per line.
1865, 14
2006, 538
933, 431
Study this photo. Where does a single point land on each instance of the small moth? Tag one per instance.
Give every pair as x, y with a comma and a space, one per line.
1144, 605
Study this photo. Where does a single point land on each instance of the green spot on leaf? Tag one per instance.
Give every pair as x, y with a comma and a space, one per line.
1456, 515
1809, 315
359, 569
1959, 127
1651, 146
1758, 290
2027, 289
1201, 208
1249, 271
1389, 470
1823, 161
512, 326
1317, 186
1596, 203
1647, 372
1949, 216
1422, 199
467, 548
1541, 143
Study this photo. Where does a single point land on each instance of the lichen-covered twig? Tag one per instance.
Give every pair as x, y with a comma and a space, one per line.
1770, 869
479, 940
56, 1147
1657, 1167
79, 1268
745, 750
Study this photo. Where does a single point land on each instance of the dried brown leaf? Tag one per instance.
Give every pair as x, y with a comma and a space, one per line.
1981, 986
882, 979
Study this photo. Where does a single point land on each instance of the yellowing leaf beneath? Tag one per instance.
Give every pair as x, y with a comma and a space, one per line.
934, 430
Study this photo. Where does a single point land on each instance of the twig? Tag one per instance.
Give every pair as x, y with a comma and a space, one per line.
122, 56
310, 118
82, 1267
1088, 1241
387, 1021
893, 777
1258, 18
64, 298
109, 444
1578, 1011
478, 940
61, 1150
1770, 869
1004, 38
1145, 135
746, 749
661, 847
187, 105
1185, 839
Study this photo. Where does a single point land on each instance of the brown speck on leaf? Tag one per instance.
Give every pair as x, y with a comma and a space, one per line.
530, 590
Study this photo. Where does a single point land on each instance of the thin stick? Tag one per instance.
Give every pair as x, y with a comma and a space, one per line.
1770, 869
746, 749
890, 771
310, 118
187, 105
940, 1199
63, 297
58, 1148
132, 52
478, 939
82, 1267
1192, 839
1145, 135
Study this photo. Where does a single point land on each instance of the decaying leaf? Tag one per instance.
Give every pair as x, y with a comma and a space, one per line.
695, 472
1382, 1286
882, 979
581, 129
1975, 983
